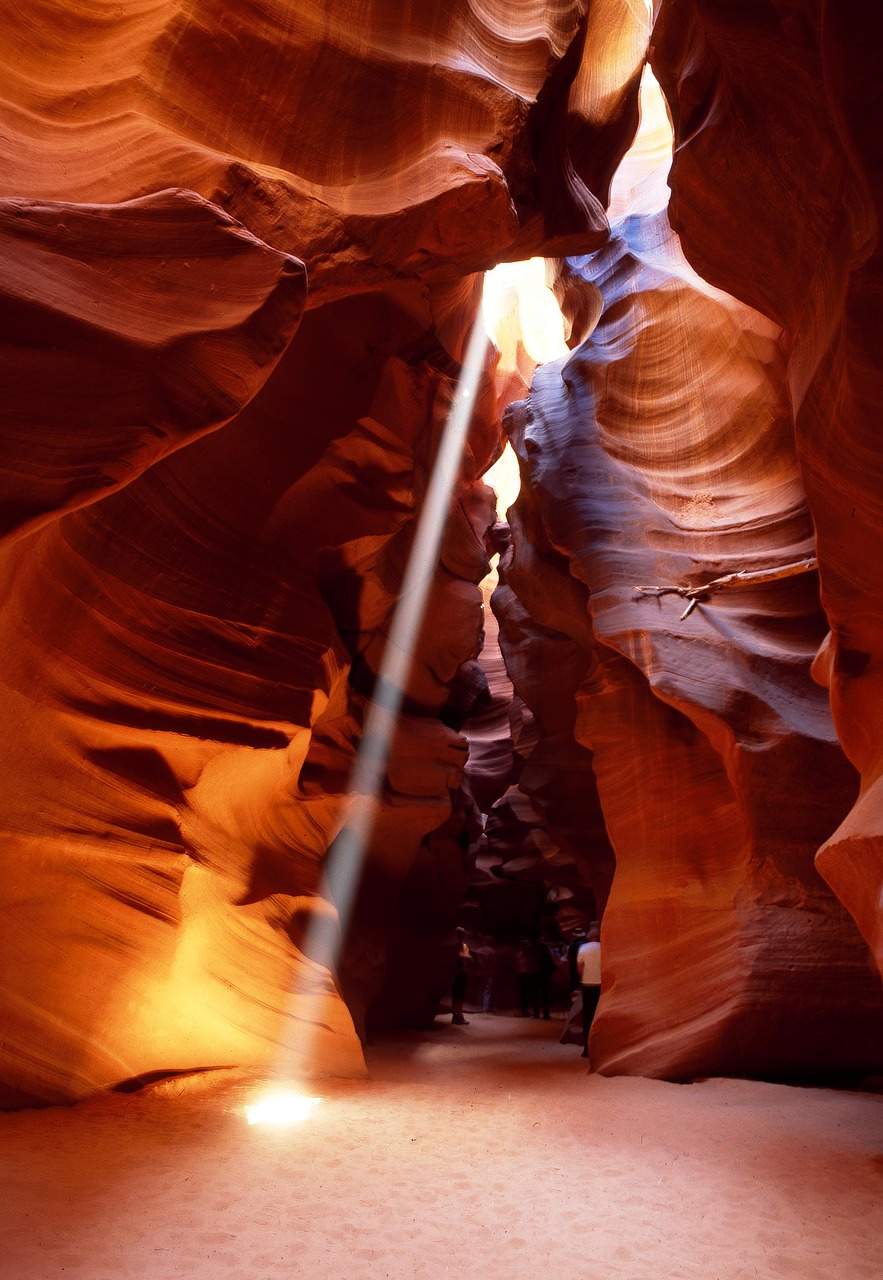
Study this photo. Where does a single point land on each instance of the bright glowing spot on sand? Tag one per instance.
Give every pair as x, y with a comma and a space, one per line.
282, 1106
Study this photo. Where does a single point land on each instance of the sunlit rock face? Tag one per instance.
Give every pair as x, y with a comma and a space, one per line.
661, 455
208, 509
179, 669
810, 73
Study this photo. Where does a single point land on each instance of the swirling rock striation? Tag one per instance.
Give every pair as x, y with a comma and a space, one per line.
391, 141
179, 660
659, 456
237, 257
128, 330
809, 72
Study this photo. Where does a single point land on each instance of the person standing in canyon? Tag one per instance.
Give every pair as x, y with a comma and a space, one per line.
527, 964
578, 939
461, 978
544, 977
588, 964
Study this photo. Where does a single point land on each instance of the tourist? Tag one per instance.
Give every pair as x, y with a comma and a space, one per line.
461, 978
588, 964
579, 937
527, 967
548, 965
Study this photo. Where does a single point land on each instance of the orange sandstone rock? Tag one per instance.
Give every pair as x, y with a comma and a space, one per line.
192, 638
753, 95
658, 457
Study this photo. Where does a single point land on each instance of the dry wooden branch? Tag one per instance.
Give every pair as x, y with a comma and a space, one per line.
744, 578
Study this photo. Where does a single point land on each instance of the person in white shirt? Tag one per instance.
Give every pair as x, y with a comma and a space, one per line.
588, 966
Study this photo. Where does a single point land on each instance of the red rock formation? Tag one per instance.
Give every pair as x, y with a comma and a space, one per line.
753, 94
390, 143
191, 646
195, 708
209, 501
661, 455
128, 331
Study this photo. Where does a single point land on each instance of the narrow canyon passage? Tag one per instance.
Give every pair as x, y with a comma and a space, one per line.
241, 258
245, 251
487, 1150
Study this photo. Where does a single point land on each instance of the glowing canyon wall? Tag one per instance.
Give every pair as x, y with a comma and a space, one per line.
240, 258
238, 276
812, 263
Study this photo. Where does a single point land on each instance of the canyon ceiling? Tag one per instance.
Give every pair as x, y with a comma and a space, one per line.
242, 253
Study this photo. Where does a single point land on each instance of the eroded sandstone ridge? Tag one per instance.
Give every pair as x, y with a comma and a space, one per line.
660, 455
681, 427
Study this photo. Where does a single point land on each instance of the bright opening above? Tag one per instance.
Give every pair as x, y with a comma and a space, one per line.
522, 316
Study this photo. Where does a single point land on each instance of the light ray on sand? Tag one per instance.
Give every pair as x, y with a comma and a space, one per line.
281, 1106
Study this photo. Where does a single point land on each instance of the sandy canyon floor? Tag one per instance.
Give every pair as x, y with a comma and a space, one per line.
482, 1151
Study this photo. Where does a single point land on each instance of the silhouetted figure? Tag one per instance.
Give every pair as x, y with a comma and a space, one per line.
579, 937
527, 967
588, 964
544, 975
461, 978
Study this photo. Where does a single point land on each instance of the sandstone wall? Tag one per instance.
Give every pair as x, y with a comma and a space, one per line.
660, 455
754, 92
209, 504
239, 264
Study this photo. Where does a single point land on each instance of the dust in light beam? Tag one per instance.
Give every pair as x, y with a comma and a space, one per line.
520, 314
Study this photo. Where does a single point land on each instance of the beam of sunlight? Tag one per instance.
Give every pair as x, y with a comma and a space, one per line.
342, 871
343, 865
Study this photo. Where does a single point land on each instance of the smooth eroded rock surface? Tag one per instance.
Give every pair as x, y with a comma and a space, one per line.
240, 262
810, 73
215, 502
660, 456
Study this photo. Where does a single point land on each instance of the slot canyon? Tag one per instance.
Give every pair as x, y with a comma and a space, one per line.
246, 251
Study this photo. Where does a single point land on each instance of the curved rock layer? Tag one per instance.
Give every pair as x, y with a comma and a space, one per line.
178, 667
659, 457
203, 559
540, 606
808, 75
389, 138
164, 304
